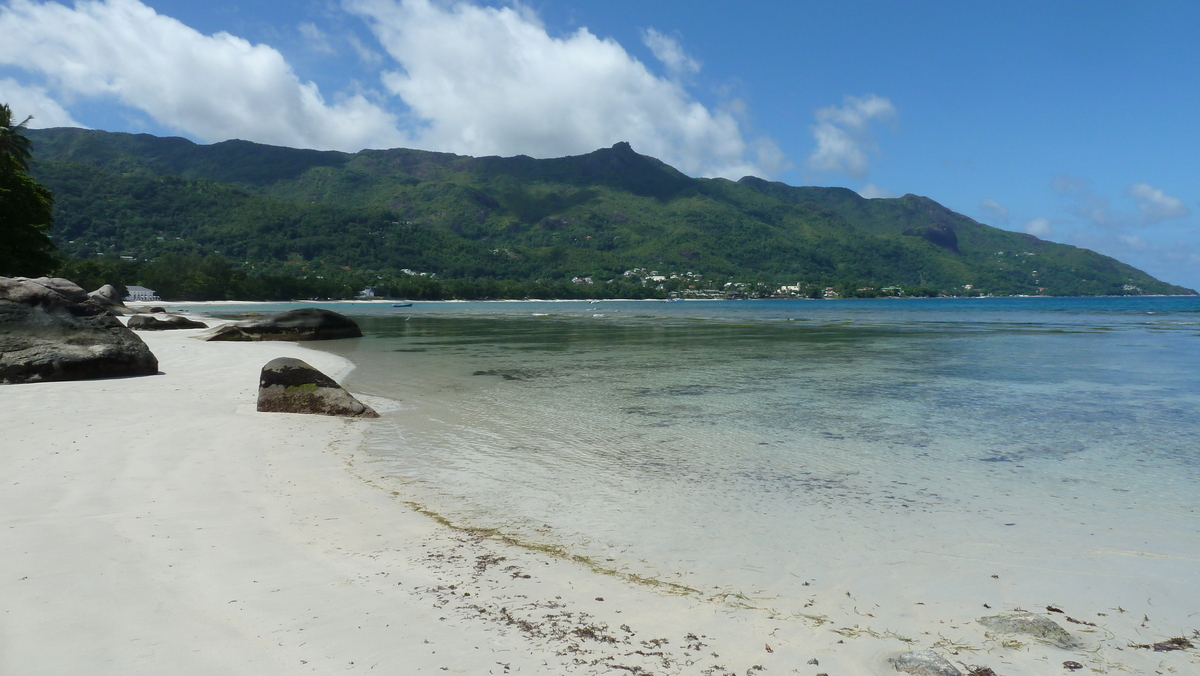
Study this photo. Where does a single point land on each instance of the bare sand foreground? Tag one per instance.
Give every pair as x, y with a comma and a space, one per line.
161, 525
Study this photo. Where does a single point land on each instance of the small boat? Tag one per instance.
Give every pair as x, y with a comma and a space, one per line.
401, 304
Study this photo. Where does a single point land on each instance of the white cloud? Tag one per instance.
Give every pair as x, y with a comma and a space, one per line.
1133, 241
369, 57
1155, 205
1068, 184
1126, 235
1085, 203
491, 80
212, 87
872, 191
843, 135
668, 50
316, 38
996, 209
35, 101
1038, 227
477, 80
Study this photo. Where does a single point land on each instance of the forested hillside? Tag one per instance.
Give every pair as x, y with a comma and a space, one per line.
515, 226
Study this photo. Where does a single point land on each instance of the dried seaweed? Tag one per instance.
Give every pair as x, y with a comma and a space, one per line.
1177, 643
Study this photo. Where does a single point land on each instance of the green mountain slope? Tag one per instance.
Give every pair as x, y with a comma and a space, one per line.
596, 215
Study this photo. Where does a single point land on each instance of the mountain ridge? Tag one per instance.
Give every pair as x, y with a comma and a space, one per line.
599, 215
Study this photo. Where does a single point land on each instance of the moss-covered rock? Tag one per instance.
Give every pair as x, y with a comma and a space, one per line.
289, 385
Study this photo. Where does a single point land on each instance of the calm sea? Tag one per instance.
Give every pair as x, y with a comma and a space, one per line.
767, 450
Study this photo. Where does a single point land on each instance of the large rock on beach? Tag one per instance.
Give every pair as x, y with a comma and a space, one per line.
43, 290
924, 663
1029, 624
303, 324
152, 323
289, 385
50, 329
107, 295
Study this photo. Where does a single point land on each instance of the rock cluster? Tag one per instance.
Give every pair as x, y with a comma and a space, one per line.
289, 385
50, 329
303, 324
152, 323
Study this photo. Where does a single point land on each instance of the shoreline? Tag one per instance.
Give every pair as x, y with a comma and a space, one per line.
416, 302
163, 525
174, 529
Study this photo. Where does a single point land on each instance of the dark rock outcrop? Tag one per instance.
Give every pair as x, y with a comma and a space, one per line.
152, 323
937, 234
51, 330
303, 324
289, 385
924, 663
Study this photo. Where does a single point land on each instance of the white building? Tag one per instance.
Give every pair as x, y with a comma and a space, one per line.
140, 293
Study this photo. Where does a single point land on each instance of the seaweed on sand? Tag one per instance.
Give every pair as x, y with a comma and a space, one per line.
1177, 643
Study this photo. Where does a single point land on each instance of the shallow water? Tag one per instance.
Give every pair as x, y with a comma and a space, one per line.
767, 451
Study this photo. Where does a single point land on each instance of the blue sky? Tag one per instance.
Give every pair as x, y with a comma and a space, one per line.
1075, 121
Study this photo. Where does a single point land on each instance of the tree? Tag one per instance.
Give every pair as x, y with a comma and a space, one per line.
26, 207
15, 147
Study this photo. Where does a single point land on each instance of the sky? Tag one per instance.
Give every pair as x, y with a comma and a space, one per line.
1073, 121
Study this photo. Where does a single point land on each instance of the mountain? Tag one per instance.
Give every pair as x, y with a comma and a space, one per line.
599, 215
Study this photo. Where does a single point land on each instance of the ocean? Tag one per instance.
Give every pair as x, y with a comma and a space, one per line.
823, 461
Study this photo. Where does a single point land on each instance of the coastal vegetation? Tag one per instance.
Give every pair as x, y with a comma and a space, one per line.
249, 221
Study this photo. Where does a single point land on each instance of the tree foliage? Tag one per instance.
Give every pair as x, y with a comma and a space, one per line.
15, 147
26, 207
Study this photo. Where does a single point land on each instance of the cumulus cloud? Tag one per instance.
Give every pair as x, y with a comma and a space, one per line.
871, 191
844, 134
212, 87
1155, 205
668, 50
35, 101
472, 79
999, 211
1038, 227
491, 80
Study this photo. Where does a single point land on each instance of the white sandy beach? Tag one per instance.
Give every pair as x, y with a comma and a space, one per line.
161, 525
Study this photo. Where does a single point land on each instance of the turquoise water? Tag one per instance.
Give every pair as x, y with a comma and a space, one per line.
770, 449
